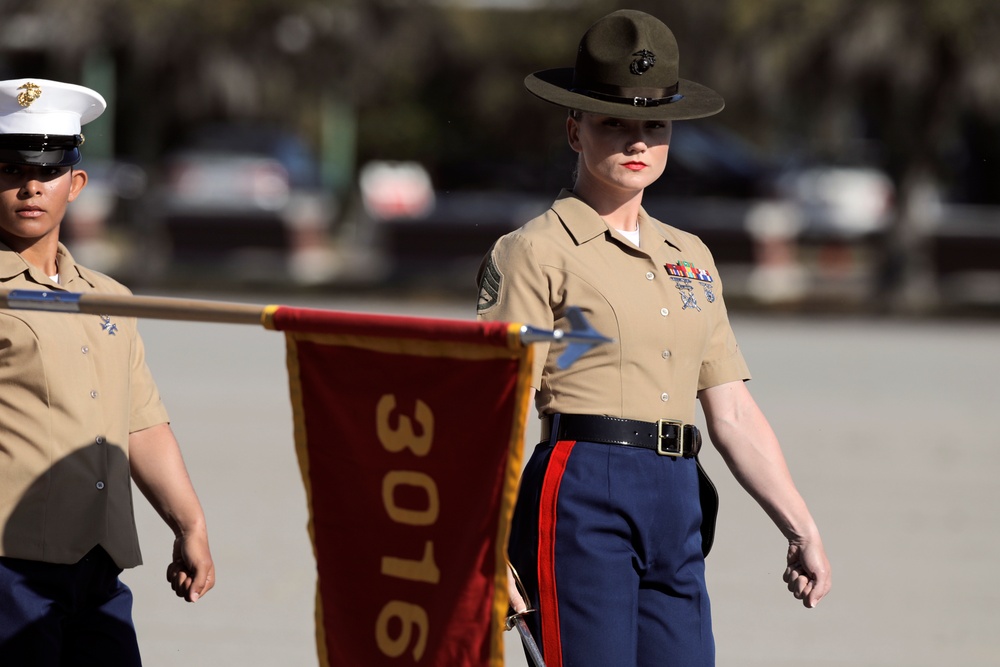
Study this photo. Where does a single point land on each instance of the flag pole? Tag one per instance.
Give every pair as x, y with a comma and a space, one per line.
580, 338
124, 305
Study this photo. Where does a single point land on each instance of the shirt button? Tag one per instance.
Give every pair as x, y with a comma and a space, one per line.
650, 275
93, 393
85, 349
664, 311
666, 354
664, 397
100, 486
99, 439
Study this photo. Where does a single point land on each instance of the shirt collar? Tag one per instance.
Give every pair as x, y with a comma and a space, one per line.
12, 264
70, 271
657, 230
584, 224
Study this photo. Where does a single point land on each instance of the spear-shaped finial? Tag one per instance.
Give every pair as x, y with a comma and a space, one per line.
581, 337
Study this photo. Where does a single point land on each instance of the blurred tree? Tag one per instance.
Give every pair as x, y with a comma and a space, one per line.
848, 79
892, 83
908, 85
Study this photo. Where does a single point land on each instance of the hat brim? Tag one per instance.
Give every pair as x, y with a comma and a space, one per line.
553, 85
51, 158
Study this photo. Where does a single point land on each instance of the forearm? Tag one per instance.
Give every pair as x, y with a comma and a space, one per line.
747, 443
158, 470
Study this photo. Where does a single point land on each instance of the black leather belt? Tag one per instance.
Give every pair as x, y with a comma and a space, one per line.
666, 437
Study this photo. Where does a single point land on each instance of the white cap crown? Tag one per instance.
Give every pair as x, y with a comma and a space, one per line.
40, 106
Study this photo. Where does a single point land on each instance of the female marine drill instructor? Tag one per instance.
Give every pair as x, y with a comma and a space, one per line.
614, 515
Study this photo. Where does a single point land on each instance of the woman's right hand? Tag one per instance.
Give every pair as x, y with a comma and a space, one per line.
517, 602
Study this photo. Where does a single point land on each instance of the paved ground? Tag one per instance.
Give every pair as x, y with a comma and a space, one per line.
890, 427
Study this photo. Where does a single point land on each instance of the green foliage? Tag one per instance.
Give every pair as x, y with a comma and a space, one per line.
441, 82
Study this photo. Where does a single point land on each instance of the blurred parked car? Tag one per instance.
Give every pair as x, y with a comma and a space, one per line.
708, 160
845, 201
243, 198
97, 227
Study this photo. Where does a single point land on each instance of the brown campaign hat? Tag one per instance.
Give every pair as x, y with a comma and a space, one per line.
627, 67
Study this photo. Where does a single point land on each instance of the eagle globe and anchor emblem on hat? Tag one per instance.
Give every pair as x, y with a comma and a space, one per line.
32, 91
641, 65
627, 66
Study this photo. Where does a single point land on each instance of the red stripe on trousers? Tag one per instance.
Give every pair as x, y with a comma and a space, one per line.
548, 600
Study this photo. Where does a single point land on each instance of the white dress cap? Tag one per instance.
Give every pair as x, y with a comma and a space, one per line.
40, 106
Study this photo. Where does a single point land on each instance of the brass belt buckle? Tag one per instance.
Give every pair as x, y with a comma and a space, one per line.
659, 438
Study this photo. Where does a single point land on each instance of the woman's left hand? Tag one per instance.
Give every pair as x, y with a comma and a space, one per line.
808, 572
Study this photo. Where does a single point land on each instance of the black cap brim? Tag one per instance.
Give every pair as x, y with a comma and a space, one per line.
54, 158
46, 150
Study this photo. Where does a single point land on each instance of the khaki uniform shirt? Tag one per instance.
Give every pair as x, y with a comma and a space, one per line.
661, 303
72, 388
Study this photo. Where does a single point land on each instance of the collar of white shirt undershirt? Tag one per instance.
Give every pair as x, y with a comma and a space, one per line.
632, 236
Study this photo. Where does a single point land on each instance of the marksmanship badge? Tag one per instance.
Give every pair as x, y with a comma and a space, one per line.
108, 325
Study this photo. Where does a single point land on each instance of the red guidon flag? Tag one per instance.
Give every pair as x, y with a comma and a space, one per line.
409, 435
